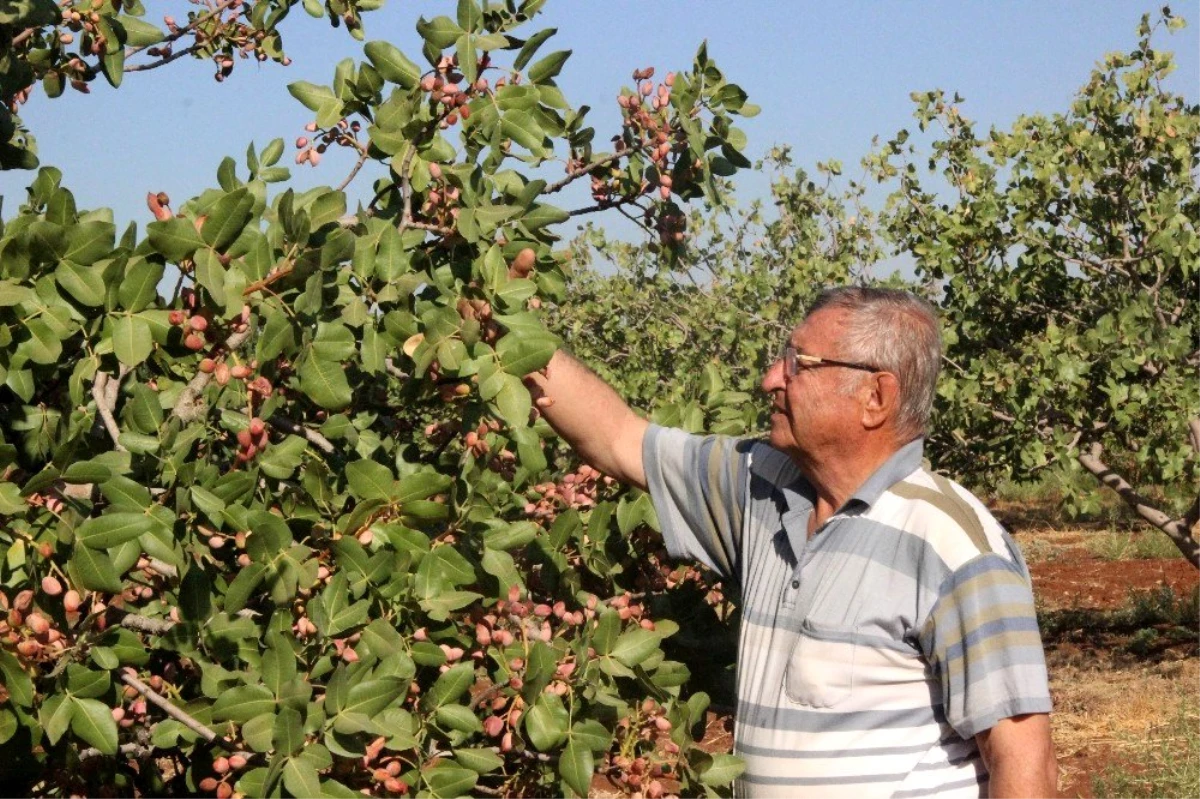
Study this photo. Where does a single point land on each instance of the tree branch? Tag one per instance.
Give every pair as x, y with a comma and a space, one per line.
99, 393
578, 172
129, 750
184, 30
163, 61
174, 712
313, 437
1176, 529
189, 407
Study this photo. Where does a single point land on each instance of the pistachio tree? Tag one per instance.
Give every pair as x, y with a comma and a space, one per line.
1064, 254
277, 514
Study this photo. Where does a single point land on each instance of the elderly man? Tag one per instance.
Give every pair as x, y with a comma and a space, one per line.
889, 645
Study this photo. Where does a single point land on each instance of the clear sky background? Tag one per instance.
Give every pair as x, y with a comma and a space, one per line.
828, 76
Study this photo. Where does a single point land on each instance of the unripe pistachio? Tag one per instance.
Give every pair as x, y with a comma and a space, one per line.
51, 586
72, 601
37, 622
193, 342
176, 318
240, 371
207, 365
221, 373
301, 142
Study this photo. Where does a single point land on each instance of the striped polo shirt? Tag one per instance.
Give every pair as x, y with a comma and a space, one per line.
870, 654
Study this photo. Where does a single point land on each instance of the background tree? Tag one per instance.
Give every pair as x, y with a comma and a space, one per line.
1064, 255
291, 527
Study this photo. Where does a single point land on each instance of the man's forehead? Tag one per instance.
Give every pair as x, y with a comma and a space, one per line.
822, 325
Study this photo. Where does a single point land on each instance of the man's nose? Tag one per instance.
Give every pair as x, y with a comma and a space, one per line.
773, 378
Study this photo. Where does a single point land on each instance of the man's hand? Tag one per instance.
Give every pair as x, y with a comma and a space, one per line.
593, 419
1019, 755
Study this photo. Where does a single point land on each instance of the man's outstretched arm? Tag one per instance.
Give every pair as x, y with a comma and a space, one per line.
593, 419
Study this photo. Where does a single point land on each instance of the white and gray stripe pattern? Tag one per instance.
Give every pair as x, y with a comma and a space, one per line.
871, 653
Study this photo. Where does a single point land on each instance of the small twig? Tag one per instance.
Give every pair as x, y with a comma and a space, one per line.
164, 60
362, 159
174, 712
313, 437
129, 750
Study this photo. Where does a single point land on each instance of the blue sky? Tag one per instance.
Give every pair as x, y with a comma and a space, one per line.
828, 76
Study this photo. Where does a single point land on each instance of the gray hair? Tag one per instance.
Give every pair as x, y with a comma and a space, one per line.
895, 331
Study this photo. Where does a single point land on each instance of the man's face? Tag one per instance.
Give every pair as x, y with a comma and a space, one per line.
809, 410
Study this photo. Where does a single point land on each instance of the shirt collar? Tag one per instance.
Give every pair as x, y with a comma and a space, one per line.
800, 496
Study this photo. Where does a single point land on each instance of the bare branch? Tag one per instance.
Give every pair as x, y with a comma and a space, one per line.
362, 159
100, 394
313, 437
174, 712
136, 751
144, 624
1177, 530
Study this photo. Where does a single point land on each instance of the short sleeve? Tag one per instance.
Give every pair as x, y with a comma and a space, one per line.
697, 484
982, 639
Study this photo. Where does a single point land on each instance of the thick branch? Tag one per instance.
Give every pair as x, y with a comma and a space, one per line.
315, 438
188, 407
1176, 529
174, 712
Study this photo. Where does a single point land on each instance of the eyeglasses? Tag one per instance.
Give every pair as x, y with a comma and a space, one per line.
794, 361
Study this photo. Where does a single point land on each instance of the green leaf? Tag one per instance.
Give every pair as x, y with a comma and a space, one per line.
372, 697
55, 716
131, 339
370, 480
83, 683
176, 239
84, 283
325, 383
481, 761
511, 536
524, 353
300, 778
92, 721
112, 529
16, 680
195, 595
450, 686
83, 472
243, 703
547, 722
93, 570
88, 242
513, 402
288, 733
227, 218
446, 780
458, 717
140, 286
635, 645
392, 65
312, 96
723, 770
441, 32
548, 67
576, 765
524, 130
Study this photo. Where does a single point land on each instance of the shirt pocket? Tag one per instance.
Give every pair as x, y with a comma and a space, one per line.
820, 670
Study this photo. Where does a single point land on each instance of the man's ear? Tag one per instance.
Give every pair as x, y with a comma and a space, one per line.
882, 399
